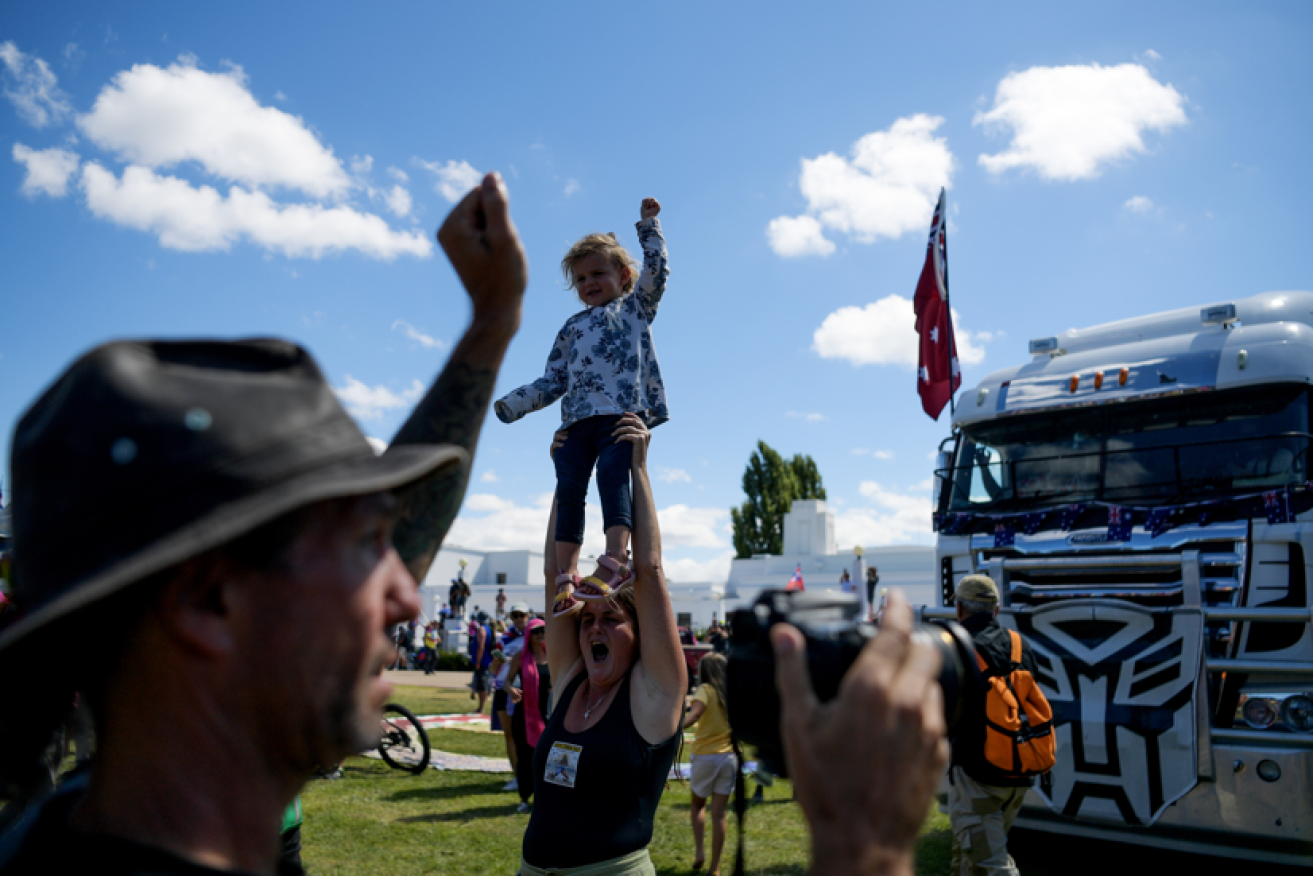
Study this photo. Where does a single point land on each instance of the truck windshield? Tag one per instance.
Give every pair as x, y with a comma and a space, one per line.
1149, 452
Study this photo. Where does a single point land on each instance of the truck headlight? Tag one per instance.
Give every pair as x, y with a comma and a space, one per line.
1260, 712
1287, 710
1297, 713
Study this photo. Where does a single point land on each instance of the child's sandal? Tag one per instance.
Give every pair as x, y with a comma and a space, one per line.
563, 602
620, 576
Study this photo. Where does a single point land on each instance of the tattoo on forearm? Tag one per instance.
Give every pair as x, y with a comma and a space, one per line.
451, 413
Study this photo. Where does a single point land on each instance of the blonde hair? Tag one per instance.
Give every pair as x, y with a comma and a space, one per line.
604, 244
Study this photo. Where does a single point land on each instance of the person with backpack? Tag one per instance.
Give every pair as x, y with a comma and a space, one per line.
1001, 744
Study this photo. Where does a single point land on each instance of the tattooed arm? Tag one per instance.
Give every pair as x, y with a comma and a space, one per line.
481, 241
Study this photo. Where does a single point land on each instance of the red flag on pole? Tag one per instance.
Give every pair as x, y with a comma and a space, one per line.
938, 374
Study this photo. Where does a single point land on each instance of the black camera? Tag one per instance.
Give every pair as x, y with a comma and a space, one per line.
834, 637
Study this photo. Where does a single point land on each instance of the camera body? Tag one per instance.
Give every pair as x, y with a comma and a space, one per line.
834, 636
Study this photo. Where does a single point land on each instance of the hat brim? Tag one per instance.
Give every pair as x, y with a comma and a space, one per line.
399, 466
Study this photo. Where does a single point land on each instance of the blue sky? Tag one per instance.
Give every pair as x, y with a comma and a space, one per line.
279, 169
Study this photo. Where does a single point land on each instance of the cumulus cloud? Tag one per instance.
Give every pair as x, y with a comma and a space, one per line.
489, 522
671, 475
424, 340
1068, 123
378, 445
885, 188
372, 402
48, 170
197, 219
31, 87
1138, 204
160, 117
887, 516
795, 236
398, 201
488, 477
884, 333
454, 178
691, 571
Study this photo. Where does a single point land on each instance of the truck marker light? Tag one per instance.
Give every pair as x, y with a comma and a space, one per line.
980, 397
1098, 380
1075, 382
1123, 376
1242, 359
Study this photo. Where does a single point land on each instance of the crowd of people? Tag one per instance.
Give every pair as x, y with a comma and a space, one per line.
253, 615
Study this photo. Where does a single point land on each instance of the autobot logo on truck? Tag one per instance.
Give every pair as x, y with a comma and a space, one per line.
1122, 680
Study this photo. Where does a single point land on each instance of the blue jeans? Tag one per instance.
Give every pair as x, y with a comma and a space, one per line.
591, 443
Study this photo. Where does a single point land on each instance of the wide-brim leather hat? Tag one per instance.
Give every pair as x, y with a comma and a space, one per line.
146, 453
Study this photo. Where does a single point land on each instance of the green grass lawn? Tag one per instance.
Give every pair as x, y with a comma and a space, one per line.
378, 820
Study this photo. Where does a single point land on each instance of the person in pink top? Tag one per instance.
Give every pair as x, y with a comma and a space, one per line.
531, 699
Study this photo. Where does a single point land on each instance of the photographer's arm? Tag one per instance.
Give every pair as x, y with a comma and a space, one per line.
864, 803
481, 241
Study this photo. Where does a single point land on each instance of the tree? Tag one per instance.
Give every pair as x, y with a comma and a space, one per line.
771, 483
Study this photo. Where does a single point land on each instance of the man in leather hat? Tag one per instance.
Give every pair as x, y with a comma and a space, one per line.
209, 520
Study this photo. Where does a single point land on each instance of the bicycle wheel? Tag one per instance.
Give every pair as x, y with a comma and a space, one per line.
405, 744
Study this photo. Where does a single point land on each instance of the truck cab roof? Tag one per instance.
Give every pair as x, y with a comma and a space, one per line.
1264, 339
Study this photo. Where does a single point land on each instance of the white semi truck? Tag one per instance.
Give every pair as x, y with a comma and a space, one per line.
1141, 493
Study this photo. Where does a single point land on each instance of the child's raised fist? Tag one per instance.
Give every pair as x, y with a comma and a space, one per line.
650, 208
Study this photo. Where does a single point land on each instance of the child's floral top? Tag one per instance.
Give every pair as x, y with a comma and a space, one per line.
603, 361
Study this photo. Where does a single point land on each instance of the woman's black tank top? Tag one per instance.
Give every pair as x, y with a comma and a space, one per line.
595, 792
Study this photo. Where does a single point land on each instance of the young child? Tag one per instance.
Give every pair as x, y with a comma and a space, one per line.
602, 365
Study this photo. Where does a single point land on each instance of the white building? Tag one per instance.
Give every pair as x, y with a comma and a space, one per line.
808, 546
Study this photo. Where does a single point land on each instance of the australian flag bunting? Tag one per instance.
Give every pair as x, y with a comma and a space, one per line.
1277, 505
1160, 520
1005, 534
1069, 515
1032, 522
1120, 521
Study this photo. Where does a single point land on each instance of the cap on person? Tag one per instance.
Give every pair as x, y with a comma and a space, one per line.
148, 453
976, 588
520, 608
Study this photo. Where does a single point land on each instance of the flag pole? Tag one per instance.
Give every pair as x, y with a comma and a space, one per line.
943, 229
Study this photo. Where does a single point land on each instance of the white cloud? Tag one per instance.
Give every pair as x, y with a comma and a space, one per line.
377, 444
424, 340
884, 333
682, 526
571, 186
398, 201
488, 477
671, 475
795, 236
371, 402
200, 219
31, 87
1068, 122
690, 571
886, 188
809, 417
48, 170
161, 117
889, 516
1152, 55
398, 174
1138, 204
361, 165
883, 454
454, 179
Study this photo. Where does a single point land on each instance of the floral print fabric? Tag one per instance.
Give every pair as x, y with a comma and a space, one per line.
603, 360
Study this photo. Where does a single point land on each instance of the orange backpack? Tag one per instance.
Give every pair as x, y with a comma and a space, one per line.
1019, 740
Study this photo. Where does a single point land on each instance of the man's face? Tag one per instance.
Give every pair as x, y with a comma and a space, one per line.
520, 619
339, 589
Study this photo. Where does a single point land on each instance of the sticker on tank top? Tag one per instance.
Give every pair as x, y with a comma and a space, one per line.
563, 764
